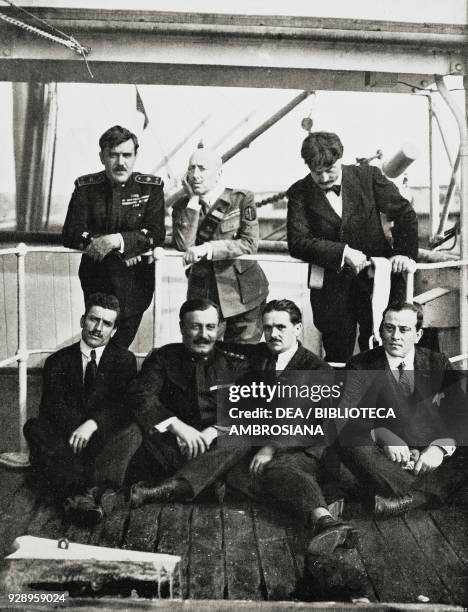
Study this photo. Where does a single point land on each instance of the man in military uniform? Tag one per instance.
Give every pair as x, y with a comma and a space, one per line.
115, 216
213, 225
174, 400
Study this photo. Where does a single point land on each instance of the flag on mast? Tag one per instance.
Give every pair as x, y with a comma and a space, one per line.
140, 107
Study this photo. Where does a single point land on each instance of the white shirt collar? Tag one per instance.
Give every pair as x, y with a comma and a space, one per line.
86, 351
394, 362
285, 357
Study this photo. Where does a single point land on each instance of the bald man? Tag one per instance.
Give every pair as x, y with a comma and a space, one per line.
214, 225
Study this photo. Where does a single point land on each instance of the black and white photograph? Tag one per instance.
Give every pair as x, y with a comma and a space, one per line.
234, 305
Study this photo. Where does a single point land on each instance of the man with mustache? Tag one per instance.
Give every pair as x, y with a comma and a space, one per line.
334, 222
82, 439
114, 217
174, 400
416, 459
214, 225
290, 474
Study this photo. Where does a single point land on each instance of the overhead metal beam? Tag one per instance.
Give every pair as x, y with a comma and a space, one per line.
176, 48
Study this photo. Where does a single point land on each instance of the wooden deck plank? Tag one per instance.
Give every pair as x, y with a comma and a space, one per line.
114, 525
242, 566
174, 537
276, 560
142, 528
206, 579
382, 568
16, 517
47, 522
440, 555
401, 544
10, 481
453, 523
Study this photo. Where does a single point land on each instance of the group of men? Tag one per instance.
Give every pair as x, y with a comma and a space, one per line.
86, 439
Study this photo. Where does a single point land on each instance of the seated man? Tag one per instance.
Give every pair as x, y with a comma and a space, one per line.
291, 474
407, 461
82, 419
174, 400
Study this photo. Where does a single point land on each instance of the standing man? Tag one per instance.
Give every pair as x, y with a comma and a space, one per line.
408, 461
334, 222
115, 216
291, 475
174, 400
82, 436
213, 225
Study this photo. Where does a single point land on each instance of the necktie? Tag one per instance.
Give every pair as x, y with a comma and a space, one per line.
89, 381
271, 363
335, 188
404, 380
204, 206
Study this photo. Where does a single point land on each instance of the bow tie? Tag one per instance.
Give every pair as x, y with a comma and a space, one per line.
335, 188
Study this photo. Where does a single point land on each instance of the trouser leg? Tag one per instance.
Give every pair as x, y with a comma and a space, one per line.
371, 466
127, 328
112, 461
51, 454
292, 479
246, 327
206, 469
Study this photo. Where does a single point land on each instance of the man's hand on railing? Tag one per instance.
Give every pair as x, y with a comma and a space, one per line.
195, 253
355, 259
133, 261
401, 263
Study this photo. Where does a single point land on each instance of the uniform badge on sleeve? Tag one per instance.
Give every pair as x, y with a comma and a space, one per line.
250, 213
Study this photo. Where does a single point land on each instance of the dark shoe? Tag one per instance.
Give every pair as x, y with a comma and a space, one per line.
171, 490
385, 507
329, 534
83, 509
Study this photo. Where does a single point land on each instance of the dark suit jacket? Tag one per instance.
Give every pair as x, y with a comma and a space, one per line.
437, 409
62, 401
97, 207
170, 384
317, 235
259, 355
240, 285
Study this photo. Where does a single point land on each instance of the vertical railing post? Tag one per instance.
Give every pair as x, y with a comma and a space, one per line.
410, 287
22, 344
158, 255
21, 459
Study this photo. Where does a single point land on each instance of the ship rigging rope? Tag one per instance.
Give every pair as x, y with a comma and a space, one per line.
64, 39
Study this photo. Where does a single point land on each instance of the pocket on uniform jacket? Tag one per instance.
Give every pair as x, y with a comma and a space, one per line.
250, 285
133, 218
230, 225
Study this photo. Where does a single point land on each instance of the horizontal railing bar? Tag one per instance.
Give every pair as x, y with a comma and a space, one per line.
9, 360
257, 257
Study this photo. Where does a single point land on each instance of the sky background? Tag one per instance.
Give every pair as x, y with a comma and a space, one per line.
365, 121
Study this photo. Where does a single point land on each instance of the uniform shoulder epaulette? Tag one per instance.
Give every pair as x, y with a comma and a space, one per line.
148, 179
90, 179
234, 355
240, 190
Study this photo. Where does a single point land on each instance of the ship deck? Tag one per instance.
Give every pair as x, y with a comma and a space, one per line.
239, 551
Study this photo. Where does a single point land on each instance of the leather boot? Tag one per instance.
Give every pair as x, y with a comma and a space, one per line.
174, 489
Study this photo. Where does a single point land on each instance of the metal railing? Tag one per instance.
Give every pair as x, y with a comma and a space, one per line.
160, 254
